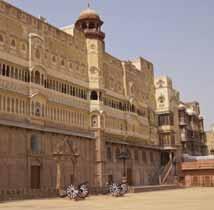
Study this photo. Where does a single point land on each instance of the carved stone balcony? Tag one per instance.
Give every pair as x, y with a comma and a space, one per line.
182, 122
14, 85
24, 88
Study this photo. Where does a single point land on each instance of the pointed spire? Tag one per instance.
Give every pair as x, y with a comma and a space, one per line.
89, 5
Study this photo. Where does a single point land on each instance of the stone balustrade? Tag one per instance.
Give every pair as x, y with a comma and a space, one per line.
60, 98
53, 96
13, 85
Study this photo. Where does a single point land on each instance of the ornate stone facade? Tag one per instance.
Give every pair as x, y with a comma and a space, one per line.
210, 141
181, 128
59, 84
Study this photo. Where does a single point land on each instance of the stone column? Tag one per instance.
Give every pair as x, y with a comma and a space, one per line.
59, 180
100, 160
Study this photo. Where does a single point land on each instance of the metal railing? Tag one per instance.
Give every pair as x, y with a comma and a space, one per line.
166, 171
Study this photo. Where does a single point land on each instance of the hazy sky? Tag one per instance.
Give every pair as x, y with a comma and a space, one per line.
177, 36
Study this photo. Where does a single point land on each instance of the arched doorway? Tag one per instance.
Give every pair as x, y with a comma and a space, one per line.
35, 176
94, 95
37, 77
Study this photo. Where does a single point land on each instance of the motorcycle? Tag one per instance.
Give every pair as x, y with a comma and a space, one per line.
78, 193
118, 190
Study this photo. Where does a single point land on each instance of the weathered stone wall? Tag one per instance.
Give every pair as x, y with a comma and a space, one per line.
142, 167
16, 158
210, 141
47, 80
59, 53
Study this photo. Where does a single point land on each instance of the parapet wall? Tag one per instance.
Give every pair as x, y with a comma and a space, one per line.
198, 173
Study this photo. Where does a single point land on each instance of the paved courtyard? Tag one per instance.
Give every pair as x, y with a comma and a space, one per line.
182, 199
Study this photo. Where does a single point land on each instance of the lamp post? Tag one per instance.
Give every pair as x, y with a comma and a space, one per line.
124, 156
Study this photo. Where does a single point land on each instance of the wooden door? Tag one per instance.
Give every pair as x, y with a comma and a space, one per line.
35, 177
129, 176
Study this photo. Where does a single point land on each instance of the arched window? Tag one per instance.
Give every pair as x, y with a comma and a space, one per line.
136, 155
16, 74
117, 154
8, 71
23, 47
91, 25
70, 65
161, 99
84, 26
17, 105
32, 108
38, 54
94, 121
120, 106
3, 70
94, 95
8, 104
62, 62
54, 58
144, 156
151, 157
38, 109
12, 72
13, 43
109, 153
12, 106
129, 154
133, 108
35, 144
81, 94
37, 77
1, 38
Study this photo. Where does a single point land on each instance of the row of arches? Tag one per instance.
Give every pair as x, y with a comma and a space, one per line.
64, 87
40, 78
13, 44
123, 106
14, 72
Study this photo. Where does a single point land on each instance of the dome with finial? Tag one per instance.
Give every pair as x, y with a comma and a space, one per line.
90, 23
89, 14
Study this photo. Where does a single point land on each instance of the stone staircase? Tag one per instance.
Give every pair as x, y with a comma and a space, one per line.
167, 175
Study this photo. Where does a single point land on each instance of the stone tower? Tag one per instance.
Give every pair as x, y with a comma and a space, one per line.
90, 23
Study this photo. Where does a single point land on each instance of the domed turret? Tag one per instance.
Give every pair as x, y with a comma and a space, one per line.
90, 23
89, 14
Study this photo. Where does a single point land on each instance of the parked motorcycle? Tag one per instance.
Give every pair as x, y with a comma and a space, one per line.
78, 193
118, 190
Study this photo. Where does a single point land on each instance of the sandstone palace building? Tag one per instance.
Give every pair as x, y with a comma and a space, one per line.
70, 112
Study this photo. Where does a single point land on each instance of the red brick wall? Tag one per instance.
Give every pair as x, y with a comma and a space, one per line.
198, 173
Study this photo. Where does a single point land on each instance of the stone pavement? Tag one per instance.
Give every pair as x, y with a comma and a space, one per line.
181, 199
